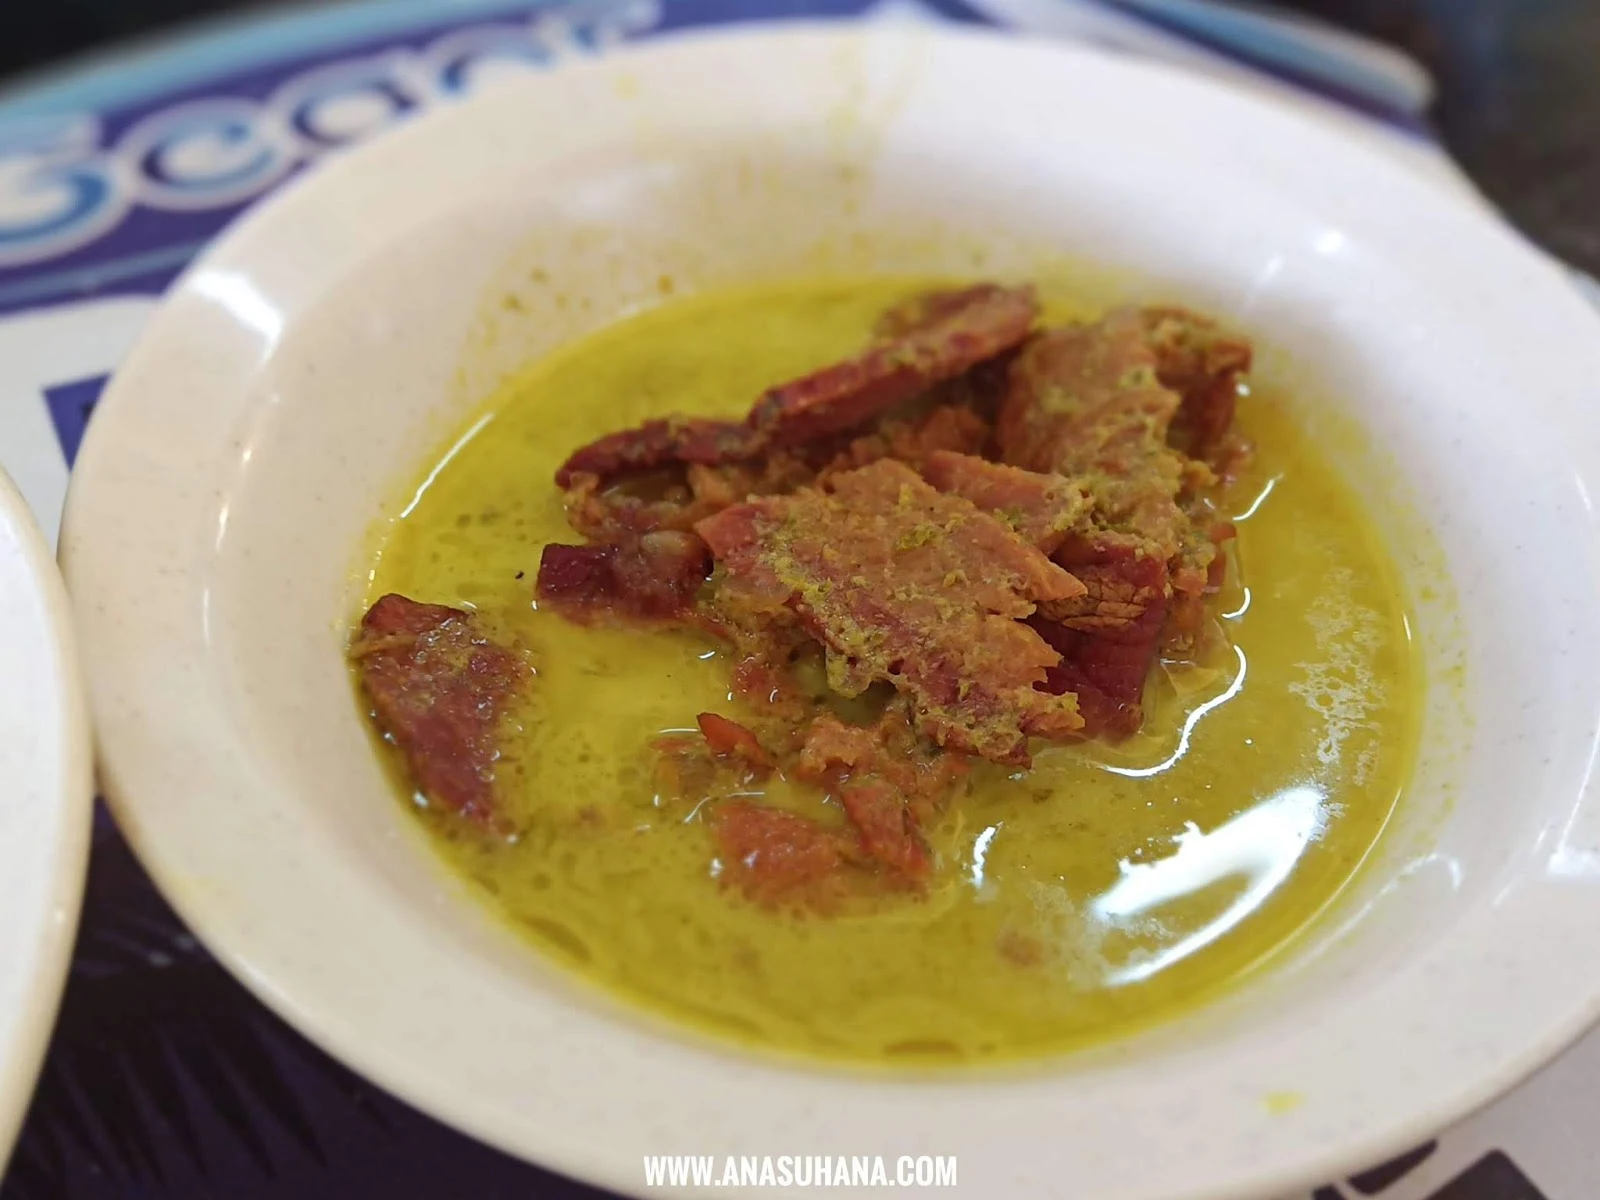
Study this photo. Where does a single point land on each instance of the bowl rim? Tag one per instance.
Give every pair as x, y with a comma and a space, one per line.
1558, 1025
25, 1036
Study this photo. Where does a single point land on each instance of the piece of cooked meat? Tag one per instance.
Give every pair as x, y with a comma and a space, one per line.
438, 688
953, 332
887, 827
835, 751
674, 498
880, 776
726, 759
905, 584
765, 686
659, 442
726, 738
1120, 405
620, 513
1043, 509
1110, 636
1203, 364
947, 335
717, 487
778, 857
653, 580
1184, 635
888, 781
954, 427
1084, 401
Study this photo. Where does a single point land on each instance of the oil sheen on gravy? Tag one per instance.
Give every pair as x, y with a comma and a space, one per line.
1103, 890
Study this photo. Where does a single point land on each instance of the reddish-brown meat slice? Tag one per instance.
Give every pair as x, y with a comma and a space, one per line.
438, 688
1202, 364
905, 584
835, 751
796, 852
673, 498
949, 334
887, 828
948, 427
652, 580
1183, 636
729, 739
1043, 509
401, 619
723, 761
626, 513
776, 857
887, 781
717, 487
1109, 637
1122, 584
835, 747
1084, 401
767, 688
656, 443
1098, 402
930, 308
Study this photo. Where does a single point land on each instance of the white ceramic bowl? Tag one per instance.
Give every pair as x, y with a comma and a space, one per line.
46, 798
329, 344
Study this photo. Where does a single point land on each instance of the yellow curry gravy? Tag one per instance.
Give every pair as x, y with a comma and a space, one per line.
1104, 889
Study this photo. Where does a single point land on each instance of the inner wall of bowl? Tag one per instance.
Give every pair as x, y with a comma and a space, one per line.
372, 387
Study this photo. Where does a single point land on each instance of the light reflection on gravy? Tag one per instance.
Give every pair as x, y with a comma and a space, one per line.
1260, 846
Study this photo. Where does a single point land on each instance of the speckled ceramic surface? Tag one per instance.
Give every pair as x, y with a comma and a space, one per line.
307, 365
45, 797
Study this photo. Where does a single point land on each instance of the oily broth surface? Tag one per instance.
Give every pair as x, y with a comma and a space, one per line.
1105, 889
